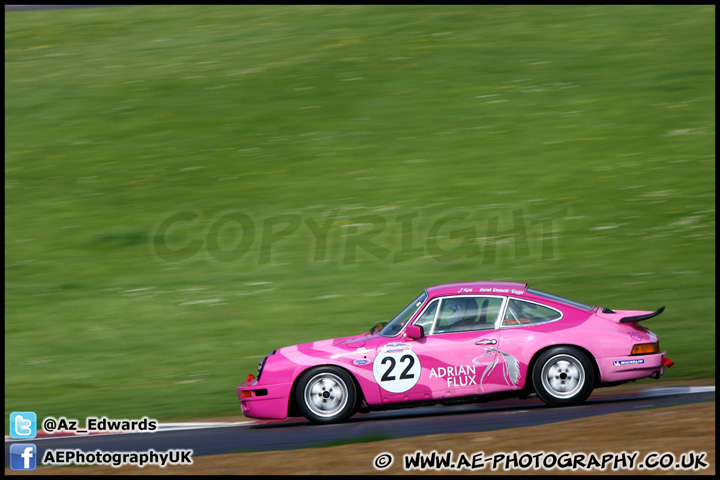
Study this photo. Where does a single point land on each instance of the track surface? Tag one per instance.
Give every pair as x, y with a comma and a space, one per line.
298, 433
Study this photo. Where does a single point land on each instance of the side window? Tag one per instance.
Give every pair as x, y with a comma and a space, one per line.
426, 319
526, 313
462, 314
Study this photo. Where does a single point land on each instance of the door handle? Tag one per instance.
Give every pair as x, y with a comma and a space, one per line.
486, 342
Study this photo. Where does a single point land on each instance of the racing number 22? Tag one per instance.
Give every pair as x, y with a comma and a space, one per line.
405, 375
397, 371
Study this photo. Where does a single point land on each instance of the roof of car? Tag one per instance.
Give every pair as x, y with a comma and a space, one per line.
476, 287
501, 288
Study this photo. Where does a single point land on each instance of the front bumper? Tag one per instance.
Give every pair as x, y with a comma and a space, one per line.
634, 367
264, 401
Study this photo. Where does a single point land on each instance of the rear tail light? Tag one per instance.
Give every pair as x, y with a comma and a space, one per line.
645, 348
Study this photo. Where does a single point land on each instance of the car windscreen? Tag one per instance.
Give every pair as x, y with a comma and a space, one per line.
402, 318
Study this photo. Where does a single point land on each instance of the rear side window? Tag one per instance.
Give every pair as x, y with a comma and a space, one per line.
520, 313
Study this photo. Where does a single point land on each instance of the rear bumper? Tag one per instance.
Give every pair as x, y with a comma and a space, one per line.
614, 369
266, 402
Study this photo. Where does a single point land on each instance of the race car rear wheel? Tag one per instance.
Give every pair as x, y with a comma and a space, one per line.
326, 395
563, 376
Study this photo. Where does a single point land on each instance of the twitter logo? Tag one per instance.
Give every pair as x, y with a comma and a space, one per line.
23, 425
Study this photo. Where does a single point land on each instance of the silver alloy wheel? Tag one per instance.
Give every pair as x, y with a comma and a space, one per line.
563, 376
326, 394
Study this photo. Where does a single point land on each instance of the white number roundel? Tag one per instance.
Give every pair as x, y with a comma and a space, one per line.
396, 368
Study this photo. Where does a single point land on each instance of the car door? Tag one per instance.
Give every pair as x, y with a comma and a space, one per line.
526, 327
457, 355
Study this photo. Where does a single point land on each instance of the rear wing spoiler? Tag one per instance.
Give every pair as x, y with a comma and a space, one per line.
638, 318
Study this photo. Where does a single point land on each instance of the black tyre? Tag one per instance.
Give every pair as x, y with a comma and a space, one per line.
563, 376
326, 395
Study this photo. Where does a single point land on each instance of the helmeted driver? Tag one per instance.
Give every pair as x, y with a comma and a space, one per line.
463, 312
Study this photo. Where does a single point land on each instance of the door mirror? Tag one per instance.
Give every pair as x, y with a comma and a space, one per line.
415, 331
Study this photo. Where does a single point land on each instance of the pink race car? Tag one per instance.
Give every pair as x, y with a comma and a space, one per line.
456, 343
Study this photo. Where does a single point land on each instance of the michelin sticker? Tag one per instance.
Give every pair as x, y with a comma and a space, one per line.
396, 367
619, 363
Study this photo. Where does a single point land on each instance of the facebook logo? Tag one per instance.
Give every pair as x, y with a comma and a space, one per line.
23, 425
23, 456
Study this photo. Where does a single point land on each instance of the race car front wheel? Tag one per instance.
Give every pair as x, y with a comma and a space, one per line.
563, 376
326, 395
